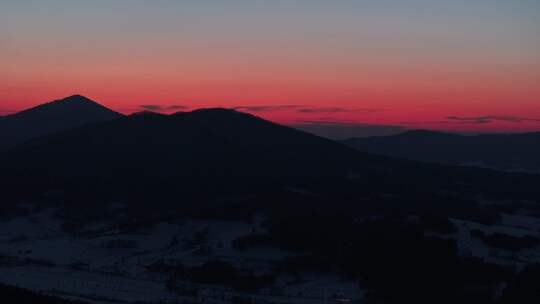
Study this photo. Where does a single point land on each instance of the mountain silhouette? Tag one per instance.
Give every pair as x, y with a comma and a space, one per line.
507, 152
206, 142
228, 148
51, 117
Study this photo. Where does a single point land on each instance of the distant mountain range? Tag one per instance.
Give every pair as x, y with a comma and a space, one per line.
75, 122
207, 142
77, 136
507, 152
210, 147
51, 117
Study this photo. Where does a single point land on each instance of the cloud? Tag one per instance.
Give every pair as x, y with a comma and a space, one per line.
489, 119
160, 108
177, 107
335, 110
266, 108
303, 109
346, 129
152, 107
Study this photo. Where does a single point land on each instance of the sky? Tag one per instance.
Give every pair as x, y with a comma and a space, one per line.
460, 65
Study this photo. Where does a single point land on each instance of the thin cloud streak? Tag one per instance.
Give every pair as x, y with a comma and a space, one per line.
266, 108
162, 108
303, 109
485, 119
336, 110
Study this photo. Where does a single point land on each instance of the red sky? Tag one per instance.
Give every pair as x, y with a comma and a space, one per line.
490, 103
446, 65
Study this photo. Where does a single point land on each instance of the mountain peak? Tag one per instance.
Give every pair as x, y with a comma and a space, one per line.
77, 96
146, 113
70, 106
54, 116
76, 99
217, 110
217, 113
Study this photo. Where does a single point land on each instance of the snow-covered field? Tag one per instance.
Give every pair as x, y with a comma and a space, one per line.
110, 266
512, 225
57, 280
105, 265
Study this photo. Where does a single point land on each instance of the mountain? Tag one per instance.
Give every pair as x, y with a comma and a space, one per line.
207, 142
51, 117
507, 152
222, 185
200, 150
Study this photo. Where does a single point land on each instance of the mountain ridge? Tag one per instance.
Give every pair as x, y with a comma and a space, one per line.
50, 117
211, 138
516, 152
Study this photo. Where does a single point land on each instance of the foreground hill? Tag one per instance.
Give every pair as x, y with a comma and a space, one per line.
51, 117
507, 152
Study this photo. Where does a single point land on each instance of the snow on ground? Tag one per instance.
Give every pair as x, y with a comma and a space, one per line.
516, 226
37, 226
311, 288
319, 285
110, 265
84, 284
522, 222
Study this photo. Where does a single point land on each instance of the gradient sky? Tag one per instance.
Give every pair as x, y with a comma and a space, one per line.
463, 65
